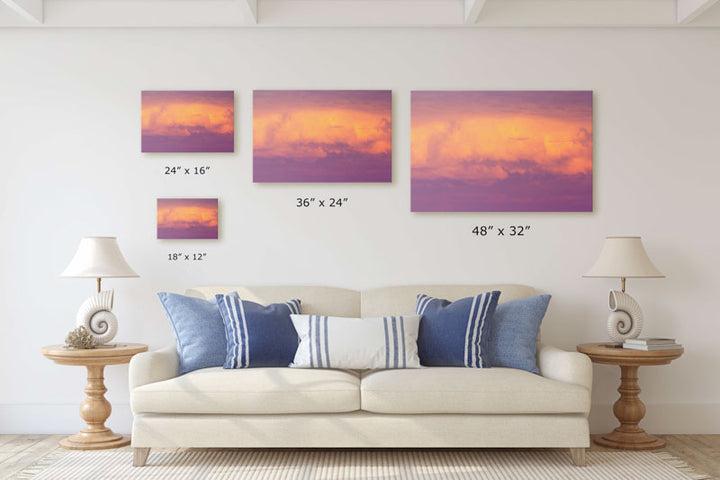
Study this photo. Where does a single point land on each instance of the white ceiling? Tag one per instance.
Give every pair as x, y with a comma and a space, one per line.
359, 13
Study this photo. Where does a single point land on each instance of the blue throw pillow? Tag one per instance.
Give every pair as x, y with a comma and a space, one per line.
514, 331
199, 331
455, 334
258, 336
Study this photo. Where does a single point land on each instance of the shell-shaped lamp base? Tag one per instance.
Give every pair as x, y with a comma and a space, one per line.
96, 315
626, 317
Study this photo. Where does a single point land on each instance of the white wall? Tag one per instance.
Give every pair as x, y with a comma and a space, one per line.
71, 166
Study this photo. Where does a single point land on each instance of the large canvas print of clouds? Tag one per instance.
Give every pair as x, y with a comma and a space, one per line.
502, 151
187, 218
188, 121
322, 136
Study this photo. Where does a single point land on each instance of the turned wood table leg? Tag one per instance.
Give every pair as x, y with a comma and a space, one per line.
95, 409
629, 410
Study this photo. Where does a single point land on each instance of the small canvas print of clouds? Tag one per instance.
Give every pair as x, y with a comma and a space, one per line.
502, 151
188, 121
187, 218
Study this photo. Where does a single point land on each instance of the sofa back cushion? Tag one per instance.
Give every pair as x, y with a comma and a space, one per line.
338, 302
402, 300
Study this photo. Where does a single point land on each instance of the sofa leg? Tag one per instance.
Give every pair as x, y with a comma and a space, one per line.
578, 456
140, 456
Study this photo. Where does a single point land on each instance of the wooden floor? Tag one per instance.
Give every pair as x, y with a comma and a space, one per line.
702, 452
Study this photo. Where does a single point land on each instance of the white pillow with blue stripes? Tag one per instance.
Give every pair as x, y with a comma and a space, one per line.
356, 343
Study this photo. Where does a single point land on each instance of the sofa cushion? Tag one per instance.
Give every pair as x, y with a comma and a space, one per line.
199, 331
251, 391
357, 343
513, 333
257, 335
454, 334
469, 390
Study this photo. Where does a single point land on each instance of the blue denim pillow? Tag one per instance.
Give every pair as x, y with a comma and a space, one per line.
454, 334
199, 331
514, 331
257, 335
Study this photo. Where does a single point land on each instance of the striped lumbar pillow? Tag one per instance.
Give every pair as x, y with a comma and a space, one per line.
454, 334
257, 335
357, 343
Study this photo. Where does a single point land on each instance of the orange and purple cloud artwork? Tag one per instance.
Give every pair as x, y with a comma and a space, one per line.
502, 151
185, 218
322, 136
188, 121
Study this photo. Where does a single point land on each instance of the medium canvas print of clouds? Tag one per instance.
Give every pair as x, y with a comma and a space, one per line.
188, 121
187, 218
502, 151
322, 136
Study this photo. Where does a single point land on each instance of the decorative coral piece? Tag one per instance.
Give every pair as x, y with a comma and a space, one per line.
80, 338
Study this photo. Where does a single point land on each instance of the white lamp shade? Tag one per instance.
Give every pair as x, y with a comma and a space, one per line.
98, 257
624, 257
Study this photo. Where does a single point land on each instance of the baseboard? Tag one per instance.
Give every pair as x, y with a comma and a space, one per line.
676, 418
682, 418
62, 419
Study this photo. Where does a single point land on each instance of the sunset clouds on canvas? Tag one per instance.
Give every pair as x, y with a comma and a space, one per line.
188, 121
502, 151
185, 218
322, 136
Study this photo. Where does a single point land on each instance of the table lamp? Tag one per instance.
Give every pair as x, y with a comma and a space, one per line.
98, 257
623, 258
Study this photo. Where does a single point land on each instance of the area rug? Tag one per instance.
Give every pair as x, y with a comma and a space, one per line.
355, 464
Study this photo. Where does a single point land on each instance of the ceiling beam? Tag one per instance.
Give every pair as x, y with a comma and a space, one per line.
249, 8
575, 13
472, 10
31, 10
141, 13
359, 13
689, 10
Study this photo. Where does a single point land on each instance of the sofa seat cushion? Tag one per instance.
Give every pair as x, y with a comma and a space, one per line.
469, 390
251, 391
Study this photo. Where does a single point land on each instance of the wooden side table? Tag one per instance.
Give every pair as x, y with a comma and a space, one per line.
95, 409
629, 409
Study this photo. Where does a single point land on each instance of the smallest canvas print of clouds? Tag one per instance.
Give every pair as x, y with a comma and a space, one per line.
188, 121
187, 218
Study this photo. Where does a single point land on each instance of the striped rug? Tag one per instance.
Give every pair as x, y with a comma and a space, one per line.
356, 464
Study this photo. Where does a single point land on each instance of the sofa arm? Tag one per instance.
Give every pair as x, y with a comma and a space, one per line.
564, 366
151, 367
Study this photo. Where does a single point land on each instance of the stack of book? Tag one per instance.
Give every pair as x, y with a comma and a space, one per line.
651, 344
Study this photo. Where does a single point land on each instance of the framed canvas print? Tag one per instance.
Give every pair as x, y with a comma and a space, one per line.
502, 151
187, 218
188, 121
322, 136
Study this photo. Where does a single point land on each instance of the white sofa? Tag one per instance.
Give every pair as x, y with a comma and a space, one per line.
435, 407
